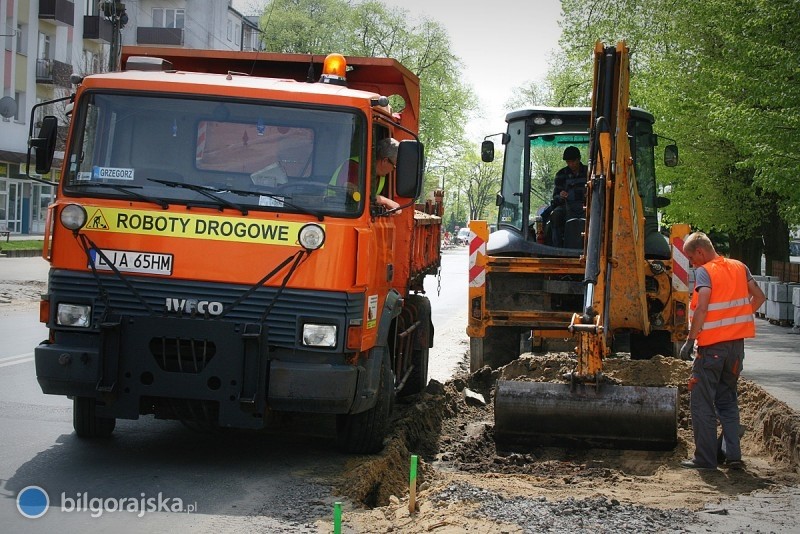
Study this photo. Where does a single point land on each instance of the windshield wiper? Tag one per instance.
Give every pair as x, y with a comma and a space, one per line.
279, 198
204, 190
124, 189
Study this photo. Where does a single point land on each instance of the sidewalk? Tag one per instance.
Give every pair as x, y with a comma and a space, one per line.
23, 237
772, 360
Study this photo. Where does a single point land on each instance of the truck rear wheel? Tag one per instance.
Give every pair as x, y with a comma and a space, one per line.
363, 433
86, 422
418, 378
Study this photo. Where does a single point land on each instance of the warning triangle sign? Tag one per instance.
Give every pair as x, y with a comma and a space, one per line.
97, 221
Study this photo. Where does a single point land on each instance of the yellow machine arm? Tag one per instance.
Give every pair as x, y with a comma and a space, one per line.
614, 249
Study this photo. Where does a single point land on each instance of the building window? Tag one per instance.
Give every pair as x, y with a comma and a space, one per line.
167, 18
237, 34
19, 116
44, 46
21, 40
230, 31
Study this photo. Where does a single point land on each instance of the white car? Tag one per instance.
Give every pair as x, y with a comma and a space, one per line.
462, 237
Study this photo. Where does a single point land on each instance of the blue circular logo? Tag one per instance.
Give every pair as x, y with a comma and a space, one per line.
32, 502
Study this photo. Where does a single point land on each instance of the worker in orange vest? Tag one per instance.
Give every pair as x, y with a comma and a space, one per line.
724, 300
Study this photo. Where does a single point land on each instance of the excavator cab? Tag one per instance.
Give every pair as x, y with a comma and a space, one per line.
535, 144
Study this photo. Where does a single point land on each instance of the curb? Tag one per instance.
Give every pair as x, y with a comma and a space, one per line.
20, 253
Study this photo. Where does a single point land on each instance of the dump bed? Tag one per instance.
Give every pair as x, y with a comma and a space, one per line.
427, 240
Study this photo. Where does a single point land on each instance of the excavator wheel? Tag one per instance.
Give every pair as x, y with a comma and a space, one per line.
658, 342
500, 345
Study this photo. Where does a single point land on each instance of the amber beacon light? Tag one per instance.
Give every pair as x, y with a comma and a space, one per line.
334, 70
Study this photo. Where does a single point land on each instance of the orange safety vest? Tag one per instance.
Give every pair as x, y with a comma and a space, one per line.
730, 315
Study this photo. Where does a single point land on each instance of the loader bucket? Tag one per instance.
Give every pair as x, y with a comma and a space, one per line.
617, 417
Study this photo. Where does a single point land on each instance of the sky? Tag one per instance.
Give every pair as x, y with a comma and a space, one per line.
503, 44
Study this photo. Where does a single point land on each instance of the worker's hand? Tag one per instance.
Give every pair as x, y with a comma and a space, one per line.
687, 350
564, 194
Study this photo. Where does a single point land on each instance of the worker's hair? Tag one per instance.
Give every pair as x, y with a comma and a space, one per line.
697, 240
387, 148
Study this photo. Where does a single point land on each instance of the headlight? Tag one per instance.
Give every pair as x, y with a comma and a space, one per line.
319, 335
73, 217
312, 236
74, 315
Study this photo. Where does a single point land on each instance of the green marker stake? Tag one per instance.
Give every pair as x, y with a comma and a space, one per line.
337, 518
412, 485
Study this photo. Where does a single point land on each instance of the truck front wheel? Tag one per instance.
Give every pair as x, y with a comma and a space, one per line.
86, 422
363, 433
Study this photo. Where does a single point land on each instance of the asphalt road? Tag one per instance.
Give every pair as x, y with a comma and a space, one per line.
279, 480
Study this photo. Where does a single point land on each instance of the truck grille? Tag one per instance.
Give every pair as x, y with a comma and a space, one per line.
282, 322
178, 355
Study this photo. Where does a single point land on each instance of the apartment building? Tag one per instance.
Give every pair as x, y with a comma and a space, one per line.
47, 41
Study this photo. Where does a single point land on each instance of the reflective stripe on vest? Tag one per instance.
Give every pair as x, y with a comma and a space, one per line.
335, 178
730, 315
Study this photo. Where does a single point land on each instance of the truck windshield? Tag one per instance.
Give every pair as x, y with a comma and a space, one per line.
256, 156
545, 153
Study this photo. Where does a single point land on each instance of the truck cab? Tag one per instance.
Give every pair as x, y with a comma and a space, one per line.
217, 249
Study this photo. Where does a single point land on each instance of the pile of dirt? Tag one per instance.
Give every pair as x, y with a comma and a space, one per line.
452, 433
16, 293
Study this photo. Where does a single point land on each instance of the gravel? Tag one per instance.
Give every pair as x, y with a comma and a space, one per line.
590, 515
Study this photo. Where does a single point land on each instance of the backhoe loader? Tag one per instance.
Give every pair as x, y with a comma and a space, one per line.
612, 283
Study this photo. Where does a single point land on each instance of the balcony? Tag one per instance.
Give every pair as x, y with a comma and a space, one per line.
97, 28
159, 36
50, 71
61, 12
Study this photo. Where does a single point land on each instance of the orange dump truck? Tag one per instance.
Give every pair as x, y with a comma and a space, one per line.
209, 264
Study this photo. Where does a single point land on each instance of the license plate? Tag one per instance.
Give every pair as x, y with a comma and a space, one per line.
128, 261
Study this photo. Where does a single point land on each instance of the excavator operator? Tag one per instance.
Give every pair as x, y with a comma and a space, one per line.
569, 194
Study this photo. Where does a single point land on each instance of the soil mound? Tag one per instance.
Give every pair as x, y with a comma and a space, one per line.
452, 432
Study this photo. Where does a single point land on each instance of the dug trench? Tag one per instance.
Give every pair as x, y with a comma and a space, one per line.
452, 434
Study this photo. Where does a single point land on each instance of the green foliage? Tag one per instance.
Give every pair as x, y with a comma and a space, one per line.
372, 29
720, 76
21, 244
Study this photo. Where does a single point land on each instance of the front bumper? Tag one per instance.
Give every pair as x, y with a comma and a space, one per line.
135, 363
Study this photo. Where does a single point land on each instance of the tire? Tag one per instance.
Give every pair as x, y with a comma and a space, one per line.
500, 345
363, 433
658, 342
86, 422
418, 379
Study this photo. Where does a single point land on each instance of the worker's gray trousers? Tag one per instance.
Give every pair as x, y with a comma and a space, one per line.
713, 394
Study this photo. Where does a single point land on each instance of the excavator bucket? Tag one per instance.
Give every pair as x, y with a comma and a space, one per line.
549, 414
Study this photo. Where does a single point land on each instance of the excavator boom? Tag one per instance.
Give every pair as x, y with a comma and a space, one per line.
587, 409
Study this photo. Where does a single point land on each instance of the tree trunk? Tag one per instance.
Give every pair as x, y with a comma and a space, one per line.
748, 251
776, 237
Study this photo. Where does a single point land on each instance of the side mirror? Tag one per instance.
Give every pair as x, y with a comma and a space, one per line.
410, 157
45, 144
498, 200
662, 202
671, 155
487, 151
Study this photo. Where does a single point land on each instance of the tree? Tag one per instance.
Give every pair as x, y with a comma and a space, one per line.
720, 77
372, 29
